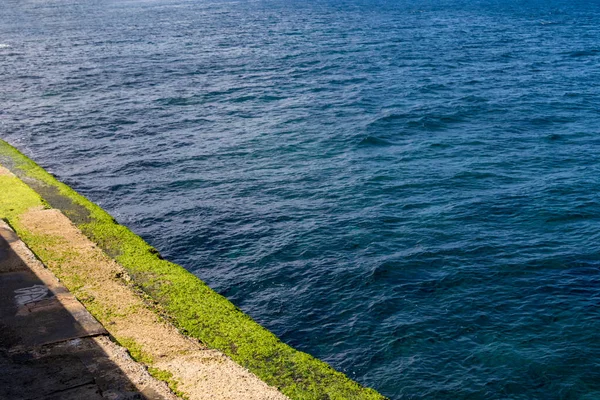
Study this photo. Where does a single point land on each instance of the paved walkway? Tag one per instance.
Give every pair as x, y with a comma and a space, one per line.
50, 346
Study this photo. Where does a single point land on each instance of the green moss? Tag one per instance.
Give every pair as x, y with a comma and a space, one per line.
104, 314
135, 350
167, 377
193, 307
21, 197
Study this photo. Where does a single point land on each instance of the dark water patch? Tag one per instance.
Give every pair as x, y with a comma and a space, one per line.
373, 141
346, 81
434, 122
269, 98
574, 217
118, 122
179, 101
584, 53
550, 119
425, 121
474, 175
242, 99
140, 165
433, 88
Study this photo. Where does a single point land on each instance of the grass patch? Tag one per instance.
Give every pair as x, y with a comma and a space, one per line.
193, 307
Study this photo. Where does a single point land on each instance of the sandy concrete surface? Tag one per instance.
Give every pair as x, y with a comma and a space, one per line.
50, 345
105, 289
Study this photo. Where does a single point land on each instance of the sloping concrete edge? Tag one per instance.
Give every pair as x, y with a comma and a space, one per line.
190, 369
193, 308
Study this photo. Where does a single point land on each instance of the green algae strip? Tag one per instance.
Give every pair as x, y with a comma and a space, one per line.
189, 303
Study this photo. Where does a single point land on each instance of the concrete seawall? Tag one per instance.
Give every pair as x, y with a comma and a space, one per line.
184, 332
50, 345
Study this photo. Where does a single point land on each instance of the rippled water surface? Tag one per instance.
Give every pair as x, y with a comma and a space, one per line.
405, 189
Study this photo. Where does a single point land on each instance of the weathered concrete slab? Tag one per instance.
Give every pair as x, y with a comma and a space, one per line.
113, 382
86, 392
201, 373
28, 378
34, 307
51, 347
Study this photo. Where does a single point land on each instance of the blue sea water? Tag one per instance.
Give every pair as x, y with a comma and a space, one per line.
408, 190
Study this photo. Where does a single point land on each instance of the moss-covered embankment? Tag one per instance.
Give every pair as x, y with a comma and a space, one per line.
190, 304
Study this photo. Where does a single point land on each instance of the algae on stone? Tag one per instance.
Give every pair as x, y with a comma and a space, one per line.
191, 305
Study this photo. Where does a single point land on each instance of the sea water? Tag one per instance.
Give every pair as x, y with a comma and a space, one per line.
408, 190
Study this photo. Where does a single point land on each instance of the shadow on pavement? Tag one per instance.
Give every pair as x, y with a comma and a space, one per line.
50, 346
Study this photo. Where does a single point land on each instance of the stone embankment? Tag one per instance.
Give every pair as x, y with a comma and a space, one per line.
50, 345
96, 293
